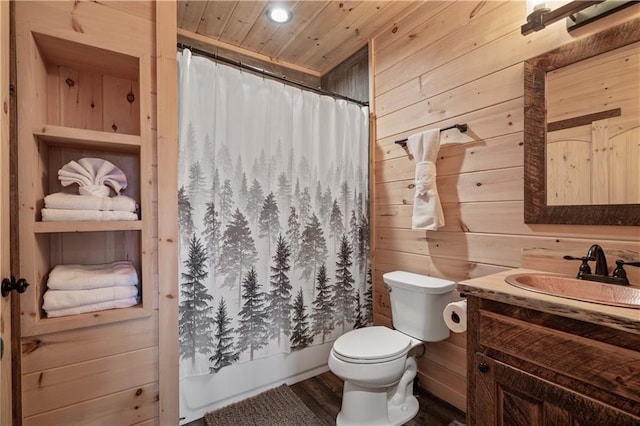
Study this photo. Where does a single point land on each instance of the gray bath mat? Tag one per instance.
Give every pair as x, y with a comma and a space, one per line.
275, 407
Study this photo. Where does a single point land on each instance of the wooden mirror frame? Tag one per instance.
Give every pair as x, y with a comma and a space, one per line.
536, 209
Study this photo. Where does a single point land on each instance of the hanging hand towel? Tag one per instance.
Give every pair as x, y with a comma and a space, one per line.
427, 211
112, 304
64, 201
92, 175
60, 215
82, 277
65, 299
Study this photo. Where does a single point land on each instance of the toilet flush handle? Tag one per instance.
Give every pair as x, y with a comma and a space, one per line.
387, 287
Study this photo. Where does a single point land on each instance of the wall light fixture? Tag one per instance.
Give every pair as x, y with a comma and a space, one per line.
578, 13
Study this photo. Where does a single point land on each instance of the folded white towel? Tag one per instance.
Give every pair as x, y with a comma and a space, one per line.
65, 299
61, 215
82, 277
91, 175
427, 210
61, 200
112, 304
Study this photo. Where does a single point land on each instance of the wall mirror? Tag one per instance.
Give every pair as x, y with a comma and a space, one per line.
582, 131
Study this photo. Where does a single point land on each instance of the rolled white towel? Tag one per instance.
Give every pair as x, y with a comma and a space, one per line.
83, 277
64, 299
63, 215
112, 304
64, 201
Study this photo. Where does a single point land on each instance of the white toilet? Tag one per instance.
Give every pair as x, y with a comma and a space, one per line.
373, 361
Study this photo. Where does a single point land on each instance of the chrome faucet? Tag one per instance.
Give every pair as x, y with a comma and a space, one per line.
597, 254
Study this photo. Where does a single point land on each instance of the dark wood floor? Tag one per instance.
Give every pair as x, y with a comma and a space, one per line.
323, 395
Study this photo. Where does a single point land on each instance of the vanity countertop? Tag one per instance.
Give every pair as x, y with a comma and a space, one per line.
494, 287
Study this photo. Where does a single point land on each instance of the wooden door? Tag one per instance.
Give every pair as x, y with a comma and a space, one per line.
5, 314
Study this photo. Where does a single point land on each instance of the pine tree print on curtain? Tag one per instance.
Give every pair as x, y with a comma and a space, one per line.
195, 311
273, 198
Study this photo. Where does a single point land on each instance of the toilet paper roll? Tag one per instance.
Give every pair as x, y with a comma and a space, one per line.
455, 316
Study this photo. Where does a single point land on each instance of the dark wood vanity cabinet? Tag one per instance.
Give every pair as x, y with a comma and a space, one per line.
527, 367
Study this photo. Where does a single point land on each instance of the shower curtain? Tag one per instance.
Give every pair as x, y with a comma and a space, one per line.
274, 231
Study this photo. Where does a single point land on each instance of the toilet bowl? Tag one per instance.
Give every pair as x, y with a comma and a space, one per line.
374, 362
378, 376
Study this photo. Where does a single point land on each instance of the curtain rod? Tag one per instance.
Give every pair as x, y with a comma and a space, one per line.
269, 74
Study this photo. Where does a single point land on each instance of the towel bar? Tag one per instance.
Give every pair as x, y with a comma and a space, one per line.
461, 127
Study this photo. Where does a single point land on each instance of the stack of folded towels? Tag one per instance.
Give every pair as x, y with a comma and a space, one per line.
77, 289
95, 178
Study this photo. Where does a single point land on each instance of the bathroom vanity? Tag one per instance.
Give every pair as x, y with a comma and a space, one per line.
535, 359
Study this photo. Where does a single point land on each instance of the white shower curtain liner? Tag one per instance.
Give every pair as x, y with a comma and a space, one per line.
273, 222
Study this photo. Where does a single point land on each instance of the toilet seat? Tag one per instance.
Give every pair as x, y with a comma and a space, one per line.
371, 345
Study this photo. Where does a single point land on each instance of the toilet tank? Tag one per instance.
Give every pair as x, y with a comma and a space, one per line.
417, 302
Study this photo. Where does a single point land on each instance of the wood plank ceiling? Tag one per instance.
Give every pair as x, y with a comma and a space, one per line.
320, 36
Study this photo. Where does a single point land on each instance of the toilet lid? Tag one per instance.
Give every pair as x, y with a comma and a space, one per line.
371, 345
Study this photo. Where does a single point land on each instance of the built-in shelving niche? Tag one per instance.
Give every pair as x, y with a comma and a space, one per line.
86, 103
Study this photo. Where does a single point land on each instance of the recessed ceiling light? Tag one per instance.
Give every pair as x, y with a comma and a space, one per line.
279, 14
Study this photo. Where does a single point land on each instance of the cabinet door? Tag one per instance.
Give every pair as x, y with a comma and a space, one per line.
504, 395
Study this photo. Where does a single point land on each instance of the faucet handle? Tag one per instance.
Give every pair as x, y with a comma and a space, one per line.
584, 267
619, 272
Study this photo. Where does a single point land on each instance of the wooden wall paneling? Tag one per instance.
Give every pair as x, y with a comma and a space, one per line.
408, 25
121, 105
443, 386
496, 120
495, 249
141, 8
124, 407
147, 184
513, 48
350, 78
80, 99
59, 387
492, 185
478, 186
151, 422
460, 156
498, 87
434, 31
93, 24
499, 217
388, 261
53, 94
76, 346
450, 356
453, 269
167, 205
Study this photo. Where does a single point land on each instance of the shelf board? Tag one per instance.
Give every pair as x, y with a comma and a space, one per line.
70, 136
103, 226
89, 319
